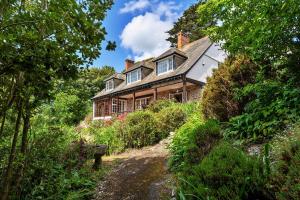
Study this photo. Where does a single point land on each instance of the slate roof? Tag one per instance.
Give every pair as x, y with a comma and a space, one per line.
148, 63
192, 51
170, 52
116, 75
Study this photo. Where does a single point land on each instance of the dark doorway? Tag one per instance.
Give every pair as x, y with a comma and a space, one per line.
178, 97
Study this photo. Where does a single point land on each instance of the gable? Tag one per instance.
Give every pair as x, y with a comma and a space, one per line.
204, 67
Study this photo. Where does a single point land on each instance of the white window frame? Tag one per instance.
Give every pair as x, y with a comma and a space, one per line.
138, 75
168, 64
118, 108
109, 85
139, 103
122, 106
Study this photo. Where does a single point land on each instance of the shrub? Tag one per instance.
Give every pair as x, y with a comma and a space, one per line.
192, 142
139, 129
169, 119
226, 173
218, 99
191, 108
284, 180
69, 109
111, 136
158, 105
276, 105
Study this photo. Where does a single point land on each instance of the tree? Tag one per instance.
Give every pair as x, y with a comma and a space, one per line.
41, 41
268, 32
73, 97
219, 99
88, 82
265, 30
188, 24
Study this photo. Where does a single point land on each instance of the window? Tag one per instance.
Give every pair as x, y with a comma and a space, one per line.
109, 85
134, 76
98, 106
118, 106
122, 106
114, 107
101, 108
164, 66
142, 103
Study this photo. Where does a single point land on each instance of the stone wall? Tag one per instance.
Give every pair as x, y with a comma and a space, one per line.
194, 93
163, 95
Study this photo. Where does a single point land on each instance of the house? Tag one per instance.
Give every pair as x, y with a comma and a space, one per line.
178, 74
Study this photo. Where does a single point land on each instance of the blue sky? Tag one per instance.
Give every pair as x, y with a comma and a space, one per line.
138, 27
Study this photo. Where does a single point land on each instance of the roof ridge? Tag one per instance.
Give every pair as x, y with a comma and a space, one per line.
192, 43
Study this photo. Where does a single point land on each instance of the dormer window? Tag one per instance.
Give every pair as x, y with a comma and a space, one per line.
134, 76
109, 85
165, 66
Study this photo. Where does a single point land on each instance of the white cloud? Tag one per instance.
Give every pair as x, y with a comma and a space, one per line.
168, 10
145, 35
135, 5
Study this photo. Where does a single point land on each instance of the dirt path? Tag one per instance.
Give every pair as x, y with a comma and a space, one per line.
141, 174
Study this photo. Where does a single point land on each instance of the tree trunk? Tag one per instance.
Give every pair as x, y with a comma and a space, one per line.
10, 101
8, 174
26, 126
2, 124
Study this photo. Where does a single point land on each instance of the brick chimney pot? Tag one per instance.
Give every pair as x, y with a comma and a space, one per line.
128, 63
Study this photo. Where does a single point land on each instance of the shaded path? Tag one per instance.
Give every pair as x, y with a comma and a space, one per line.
141, 174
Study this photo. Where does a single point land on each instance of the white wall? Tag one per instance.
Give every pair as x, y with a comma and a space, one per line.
216, 52
205, 65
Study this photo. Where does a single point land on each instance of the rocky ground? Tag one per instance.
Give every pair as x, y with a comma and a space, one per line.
141, 174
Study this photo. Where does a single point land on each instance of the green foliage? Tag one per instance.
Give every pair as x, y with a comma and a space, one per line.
109, 135
87, 83
219, 99
42, 42
54, 158
290, 170
191, 108
54, 155
139, 129
271, 103
192, 142
158, 105
263, 29
68, 185
169, 119
275, 106
225, 173
69, 109
284, 180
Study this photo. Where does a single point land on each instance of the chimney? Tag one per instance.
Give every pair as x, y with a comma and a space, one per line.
182, 40
128, 63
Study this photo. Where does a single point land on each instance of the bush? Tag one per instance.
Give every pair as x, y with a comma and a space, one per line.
191, 108
55, 168
111, 136
69, 109
192, 142
226, 173
284, 182
139, 129
276, 105
219, 98
169, 119
158, 105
